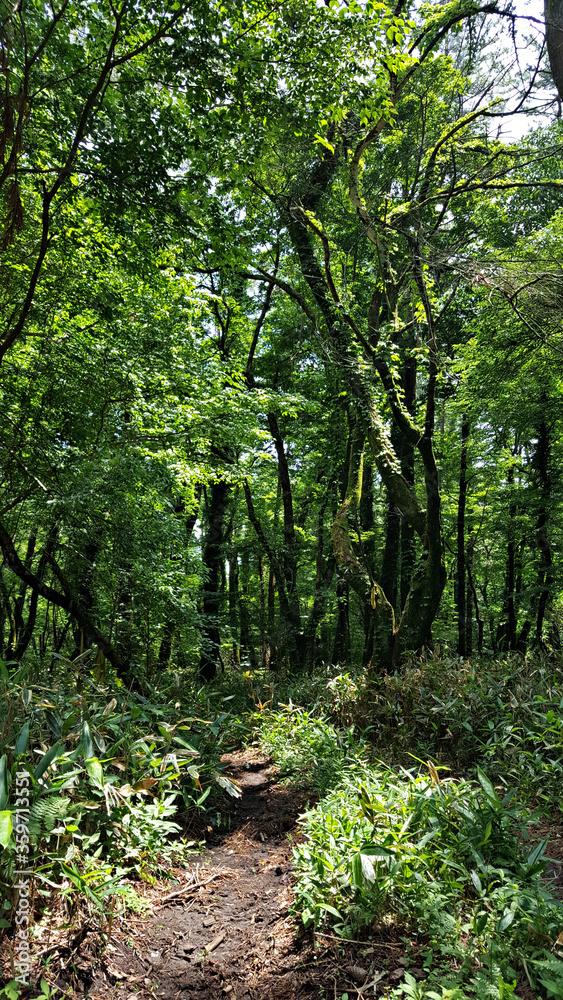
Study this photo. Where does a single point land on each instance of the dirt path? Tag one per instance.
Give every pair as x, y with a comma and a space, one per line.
225, 930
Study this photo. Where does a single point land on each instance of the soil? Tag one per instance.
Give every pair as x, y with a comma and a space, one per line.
224, 928
226, 931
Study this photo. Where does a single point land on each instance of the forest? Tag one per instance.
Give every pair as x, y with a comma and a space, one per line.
281, 502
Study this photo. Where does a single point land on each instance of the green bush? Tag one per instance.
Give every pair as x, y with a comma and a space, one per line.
503, 715
107, 773
307, 748
442, 859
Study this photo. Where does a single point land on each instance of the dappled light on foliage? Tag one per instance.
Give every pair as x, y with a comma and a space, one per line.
281, 501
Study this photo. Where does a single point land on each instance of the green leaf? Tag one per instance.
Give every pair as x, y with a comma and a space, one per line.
47, 759
95, 771
476, 881
536, 853
506, 920
23, 739
87, 744
6, 827
203, 797
356, 871
378, 852
12, 990
488, 789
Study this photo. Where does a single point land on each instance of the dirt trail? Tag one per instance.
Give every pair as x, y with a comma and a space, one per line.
225, 930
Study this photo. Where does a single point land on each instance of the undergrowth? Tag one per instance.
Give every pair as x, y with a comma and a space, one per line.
416, 853
307, 748
503, 715
121, 783
117, 783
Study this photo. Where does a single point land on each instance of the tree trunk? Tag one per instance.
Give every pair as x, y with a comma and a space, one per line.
341, 647
545, 571
460, 579
25, 636
83, 638
125, 617
291, 627
235, 619
415, 626
324, 572
272, 652
62, 599
373, 602
506, 633
246, 642
288, 560
170, 626
553, 10
391, 554
212, 559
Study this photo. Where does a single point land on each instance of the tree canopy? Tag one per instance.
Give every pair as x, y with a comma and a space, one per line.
280, 349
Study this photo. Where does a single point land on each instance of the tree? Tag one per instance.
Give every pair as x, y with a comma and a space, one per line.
373, 282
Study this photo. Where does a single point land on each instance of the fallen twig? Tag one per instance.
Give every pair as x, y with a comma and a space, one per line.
192, 886
379, 944
215, 943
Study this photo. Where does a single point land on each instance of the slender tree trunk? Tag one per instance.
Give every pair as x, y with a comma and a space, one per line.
391, 553
83, 637
165, 647
212, 559
289, 613
472, 600
246, 640
271, 643
261, 572
545, 568
9, 615
506, 632
235, 612
371, 594
324, 572
170, 626
26, 634
460, 580
341, 647
62, 598
20, 599
125, 617
288, 560
366, 515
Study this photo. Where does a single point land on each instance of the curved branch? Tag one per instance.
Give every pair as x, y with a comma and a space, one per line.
62, 600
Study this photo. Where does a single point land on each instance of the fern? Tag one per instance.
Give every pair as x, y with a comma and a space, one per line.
550, 975
44, 814
491, 985
8, 866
